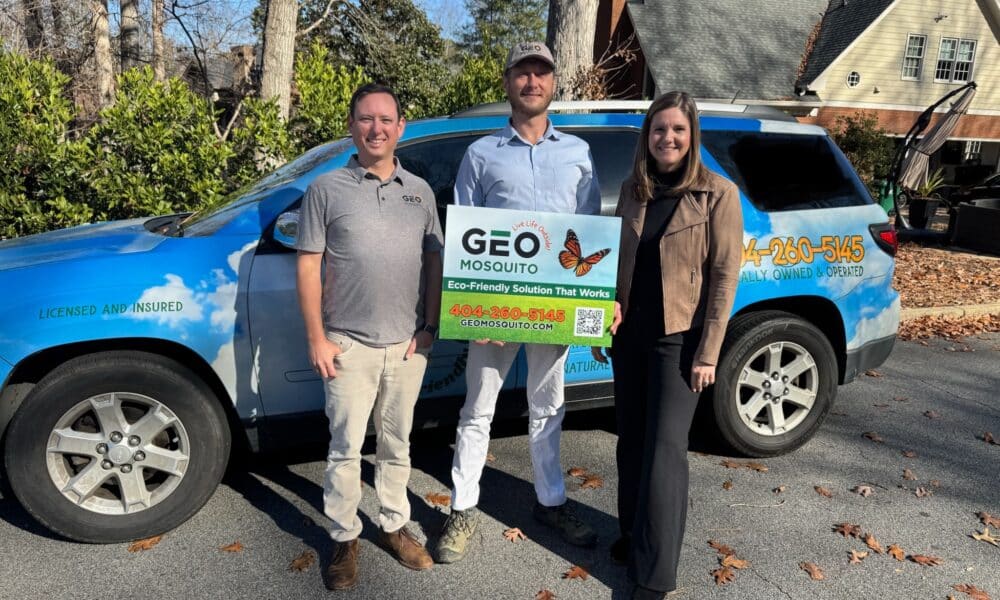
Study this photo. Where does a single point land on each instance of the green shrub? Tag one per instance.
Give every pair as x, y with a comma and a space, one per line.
478, 82
40, 166
324, 98
866, 145
155, 151
261, 142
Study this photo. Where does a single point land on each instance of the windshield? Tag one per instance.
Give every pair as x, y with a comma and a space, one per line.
214, 216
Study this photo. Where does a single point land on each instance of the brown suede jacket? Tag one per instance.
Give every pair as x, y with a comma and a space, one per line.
700, 255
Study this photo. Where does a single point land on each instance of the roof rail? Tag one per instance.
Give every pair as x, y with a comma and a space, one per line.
707, 108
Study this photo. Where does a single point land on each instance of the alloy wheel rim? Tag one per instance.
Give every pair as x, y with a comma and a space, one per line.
777, 388
117, 453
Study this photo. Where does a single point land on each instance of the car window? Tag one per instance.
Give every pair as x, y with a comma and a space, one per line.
614, 153
437, 161
784, 171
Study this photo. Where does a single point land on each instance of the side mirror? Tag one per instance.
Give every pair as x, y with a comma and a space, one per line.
286, 229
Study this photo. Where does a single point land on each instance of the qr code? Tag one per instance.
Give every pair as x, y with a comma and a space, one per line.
589, 322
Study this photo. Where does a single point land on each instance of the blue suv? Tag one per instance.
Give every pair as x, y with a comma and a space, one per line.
134, 354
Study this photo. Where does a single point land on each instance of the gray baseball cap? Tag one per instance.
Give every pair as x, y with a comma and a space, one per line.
523, 50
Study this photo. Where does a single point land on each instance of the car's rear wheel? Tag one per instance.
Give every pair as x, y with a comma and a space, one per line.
116, 446
775, 383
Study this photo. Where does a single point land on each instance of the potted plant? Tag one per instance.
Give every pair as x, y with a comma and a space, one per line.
927, 199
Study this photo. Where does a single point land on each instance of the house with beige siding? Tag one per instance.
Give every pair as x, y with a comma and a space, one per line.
822, 59
894, 58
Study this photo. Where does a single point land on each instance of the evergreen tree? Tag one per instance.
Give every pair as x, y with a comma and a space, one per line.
499, 24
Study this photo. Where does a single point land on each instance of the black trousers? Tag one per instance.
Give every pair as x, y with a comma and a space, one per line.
655, 406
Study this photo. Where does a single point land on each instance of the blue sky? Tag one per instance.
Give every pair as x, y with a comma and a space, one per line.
450, 15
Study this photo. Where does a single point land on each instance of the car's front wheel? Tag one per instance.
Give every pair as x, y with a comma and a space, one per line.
775, 383
116, 446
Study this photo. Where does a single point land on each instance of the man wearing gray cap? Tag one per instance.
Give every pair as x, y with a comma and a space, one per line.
527, 165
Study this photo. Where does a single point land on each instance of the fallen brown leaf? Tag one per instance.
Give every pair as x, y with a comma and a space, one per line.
988, 438
935, 483
721, 548
863, 490
756, 466
985, 536
780, 489
576, 572
932, 414
925, 560
908, 475
727, 484
234, 547
896, 552
872, 373
435, 499
873, 437
822, 491
847, 529
514, 534
577, 472
872, 543
988, 519
909, 454
544, 595
146, 544
922, 492
592, 482
857, 557
815, 573
723, 575
490, 457
901, 399
730, 560
971, 591
302, 562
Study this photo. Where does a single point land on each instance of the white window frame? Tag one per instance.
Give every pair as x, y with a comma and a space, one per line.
973, 150
919, 58
954, 62
856, 83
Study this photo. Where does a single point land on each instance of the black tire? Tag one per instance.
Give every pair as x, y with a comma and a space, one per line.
187, 446
746, 351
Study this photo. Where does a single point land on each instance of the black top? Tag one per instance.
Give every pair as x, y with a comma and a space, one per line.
646, 296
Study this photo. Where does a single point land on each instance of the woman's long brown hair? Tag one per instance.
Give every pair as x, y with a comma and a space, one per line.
694, 171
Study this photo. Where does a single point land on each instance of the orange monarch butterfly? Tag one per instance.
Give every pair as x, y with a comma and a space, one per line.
571, 258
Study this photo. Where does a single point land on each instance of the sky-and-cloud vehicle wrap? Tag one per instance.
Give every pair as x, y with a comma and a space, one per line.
214, 297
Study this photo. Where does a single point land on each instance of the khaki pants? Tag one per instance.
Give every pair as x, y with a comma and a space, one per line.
370, 379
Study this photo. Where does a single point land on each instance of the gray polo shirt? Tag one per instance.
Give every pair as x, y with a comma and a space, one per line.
373, 235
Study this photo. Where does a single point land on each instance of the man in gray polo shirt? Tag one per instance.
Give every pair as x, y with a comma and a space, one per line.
370, 320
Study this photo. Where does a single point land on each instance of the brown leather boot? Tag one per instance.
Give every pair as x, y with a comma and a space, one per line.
342, 573
406, 549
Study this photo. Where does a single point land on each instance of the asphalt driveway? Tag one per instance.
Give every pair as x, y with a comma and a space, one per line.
932, 402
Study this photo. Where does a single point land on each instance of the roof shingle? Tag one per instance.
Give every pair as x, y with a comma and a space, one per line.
749, 49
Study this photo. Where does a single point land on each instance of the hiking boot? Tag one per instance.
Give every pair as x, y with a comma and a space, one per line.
570, 527
403, 545
458, 529
620, 550
342, 572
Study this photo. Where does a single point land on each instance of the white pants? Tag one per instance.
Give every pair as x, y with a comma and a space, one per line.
486, 369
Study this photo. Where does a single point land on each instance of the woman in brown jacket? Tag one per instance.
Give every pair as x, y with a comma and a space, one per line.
681, 244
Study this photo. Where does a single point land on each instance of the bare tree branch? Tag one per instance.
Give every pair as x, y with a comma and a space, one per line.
317, 22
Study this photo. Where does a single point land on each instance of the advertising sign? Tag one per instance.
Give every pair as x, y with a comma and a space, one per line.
533, 277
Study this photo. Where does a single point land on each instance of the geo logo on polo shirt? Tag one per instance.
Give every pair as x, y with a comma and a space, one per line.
412, 199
